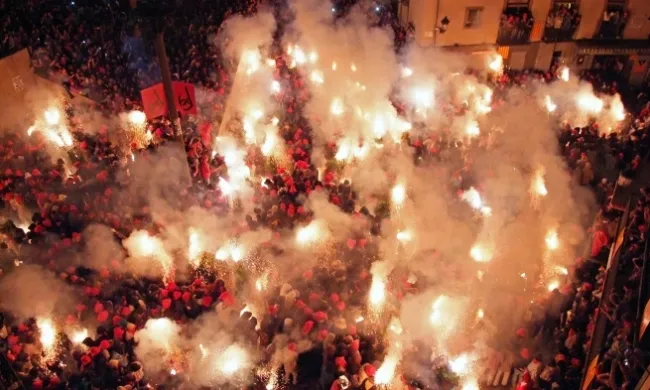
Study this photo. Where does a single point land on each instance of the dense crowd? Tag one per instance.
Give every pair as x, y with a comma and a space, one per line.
562, 22
515, 25
314, 323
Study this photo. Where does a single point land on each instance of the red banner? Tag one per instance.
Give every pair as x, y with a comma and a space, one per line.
155, 105
153, 99
185, 98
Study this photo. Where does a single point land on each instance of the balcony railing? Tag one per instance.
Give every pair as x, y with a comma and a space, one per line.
515, 26
561, 23
613, 24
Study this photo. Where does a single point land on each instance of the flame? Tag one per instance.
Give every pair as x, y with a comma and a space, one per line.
538, 186
496, 64
195, 247
564, 74
252, 60
407, 72
377, 293
317, 77
561, 270
353, 67
398, 194
334, 66
472, 129
269, 144
461, 364
172, 371
230, 251
473, 198
550, 106
423, 97
233, 359
52, 116
275, 86
554, 284
590, 103
309, 234
480, 254
336, 108
470, 384
404, 236
480, 314
386, 372
79, 336
48, 332
552, 240
137, 118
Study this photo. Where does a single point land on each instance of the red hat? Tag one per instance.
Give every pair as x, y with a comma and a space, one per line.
322, 334
102, 316
187, 296
94, 351
340, 362
320, 316
521, 333
370, 370
126, 311
340, 305
524, 353
177, 295
335, 297
351, 243
98, 307
86, 360
166, 303
307, 327
105, 344
206, 301
354, 345
118, 333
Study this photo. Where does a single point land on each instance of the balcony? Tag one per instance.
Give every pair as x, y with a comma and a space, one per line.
515, 26
562, 22
613, 24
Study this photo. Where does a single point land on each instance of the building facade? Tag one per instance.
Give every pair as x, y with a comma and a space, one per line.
582, 34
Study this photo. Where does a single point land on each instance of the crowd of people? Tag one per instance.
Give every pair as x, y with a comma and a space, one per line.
613, 23
312, 322
562, 22
515, 26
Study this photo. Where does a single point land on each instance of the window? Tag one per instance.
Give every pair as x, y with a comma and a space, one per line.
517, 3
473, 17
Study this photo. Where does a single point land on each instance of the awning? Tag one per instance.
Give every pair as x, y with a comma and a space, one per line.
612, 48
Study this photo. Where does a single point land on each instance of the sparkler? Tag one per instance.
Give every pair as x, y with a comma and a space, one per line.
251, 60
377, 293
